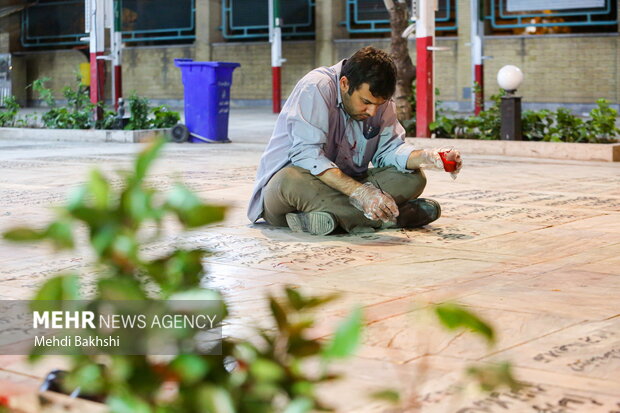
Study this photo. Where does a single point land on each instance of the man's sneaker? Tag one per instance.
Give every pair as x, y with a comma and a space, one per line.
418, 212
316, 223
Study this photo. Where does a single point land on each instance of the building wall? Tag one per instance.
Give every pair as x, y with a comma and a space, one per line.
150, 71
253, 79
61, 67
558, 68
570, 69
446, 67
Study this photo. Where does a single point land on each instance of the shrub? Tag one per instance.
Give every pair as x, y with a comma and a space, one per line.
536, 124
145, 117
139, 108
164, 117
79, 111
567, 128
542, 125
602, 123
8, 116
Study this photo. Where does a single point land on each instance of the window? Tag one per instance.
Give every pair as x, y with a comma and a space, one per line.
161, 21
371, 17
523, 17
53, 23
60, 23
249, 19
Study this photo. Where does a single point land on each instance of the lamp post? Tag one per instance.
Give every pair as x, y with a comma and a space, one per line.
510, 78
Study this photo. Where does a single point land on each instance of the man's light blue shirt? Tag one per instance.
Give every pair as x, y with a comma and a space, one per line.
314, 132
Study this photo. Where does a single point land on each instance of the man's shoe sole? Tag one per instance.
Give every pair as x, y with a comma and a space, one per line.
315, 223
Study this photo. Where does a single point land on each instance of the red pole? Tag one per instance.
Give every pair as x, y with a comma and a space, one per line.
424, 86
97, 80
118, 85
479, 79
425, 46
94, 78
276, 92
275, 37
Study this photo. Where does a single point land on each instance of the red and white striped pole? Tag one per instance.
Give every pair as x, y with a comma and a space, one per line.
116, 43
275, 38
477, 49
425, 45
95, 27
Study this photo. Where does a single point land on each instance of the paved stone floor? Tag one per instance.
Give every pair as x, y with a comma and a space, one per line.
533, 246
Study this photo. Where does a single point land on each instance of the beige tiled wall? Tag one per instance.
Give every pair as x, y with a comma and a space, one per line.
568, 69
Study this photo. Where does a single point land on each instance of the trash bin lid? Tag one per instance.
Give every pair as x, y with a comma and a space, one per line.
190, 62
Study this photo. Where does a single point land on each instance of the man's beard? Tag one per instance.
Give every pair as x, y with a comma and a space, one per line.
359, 116
356, 116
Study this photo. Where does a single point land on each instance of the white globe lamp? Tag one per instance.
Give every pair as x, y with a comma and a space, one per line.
510, 78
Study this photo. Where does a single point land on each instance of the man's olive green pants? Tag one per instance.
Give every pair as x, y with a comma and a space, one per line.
294, 189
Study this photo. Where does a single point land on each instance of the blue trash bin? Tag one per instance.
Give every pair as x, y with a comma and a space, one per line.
207, 98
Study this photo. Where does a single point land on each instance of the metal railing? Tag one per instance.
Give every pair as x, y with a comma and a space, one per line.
249, 19
371, 16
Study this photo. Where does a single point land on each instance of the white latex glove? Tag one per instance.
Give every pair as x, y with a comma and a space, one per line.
374, 203
432, 159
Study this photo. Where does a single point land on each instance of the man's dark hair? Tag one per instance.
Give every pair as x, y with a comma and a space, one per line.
372, 66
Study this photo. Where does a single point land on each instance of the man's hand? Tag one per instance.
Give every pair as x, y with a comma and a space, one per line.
374, 203
429, 158
455, 156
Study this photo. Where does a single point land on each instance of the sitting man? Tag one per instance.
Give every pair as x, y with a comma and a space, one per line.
314, 174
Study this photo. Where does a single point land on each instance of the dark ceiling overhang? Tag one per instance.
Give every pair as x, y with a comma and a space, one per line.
8, 7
